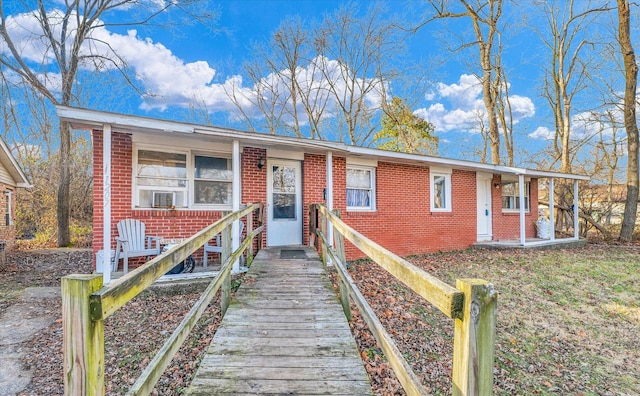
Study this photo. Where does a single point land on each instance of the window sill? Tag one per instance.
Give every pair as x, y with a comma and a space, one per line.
361, 210
514, 212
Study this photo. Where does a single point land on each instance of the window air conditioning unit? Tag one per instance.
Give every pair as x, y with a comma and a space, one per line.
164, 199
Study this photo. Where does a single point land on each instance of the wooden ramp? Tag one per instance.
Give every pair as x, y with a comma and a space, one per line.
284, 333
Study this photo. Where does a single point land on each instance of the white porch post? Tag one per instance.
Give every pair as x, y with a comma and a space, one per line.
236, 193
329, 197
523, 231
552, 215
106, 204
576, 211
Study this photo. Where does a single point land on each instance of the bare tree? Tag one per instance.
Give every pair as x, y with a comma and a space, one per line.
485, 16
286, 84
67, 38
630, 122
568, 70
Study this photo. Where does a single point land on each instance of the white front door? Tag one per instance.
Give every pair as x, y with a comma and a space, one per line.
284, 202
483, 183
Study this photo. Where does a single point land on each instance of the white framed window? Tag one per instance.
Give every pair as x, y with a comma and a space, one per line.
361, 181
440, 189
511, 196
181, 179
9, 209
212, 180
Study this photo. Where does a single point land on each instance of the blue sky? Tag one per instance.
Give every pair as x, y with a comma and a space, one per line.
176, 65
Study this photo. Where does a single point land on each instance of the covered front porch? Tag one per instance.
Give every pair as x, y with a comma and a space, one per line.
558, 199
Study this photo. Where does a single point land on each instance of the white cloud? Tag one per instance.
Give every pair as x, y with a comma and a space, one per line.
542, 133
459, 106
170, 81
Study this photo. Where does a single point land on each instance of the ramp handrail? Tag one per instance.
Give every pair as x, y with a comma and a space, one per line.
472, 305
86, 303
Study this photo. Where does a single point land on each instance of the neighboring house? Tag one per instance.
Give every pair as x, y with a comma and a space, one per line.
178, 178
11, 178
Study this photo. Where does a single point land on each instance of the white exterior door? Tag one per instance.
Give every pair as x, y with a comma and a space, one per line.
284, 202
483, 183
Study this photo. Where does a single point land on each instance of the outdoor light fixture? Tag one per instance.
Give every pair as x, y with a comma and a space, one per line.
260, 162
496, 185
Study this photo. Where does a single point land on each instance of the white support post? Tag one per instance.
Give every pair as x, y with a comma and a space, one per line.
523, 231
329, 197
552, 214
576, 211
236, 198
106, 204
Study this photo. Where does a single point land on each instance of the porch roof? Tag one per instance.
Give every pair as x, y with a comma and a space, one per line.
93, 119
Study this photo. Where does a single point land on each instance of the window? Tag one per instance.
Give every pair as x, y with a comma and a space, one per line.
440, 191
360, 188
8, 212
181, 180
212, 181
511, 196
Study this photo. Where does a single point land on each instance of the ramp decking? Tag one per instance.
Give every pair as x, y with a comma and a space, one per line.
284, 333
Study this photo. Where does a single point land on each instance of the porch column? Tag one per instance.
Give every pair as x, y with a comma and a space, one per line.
106, 204
523, 231
576, 211
236, 193
329, 197
552, 215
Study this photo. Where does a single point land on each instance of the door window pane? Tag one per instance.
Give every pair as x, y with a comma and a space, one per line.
284, 192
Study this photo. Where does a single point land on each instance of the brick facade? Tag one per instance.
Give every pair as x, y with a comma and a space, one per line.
402, 221
7, 232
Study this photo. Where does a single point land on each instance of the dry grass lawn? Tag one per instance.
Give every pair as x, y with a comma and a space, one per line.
568, 320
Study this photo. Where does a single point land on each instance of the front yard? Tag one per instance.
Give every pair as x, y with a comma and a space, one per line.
568, 320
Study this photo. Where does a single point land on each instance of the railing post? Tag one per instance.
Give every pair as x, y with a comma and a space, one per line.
82, 338
474, 338
313, 226
323, 227
225, 294
340, 252
260, 218
249, 231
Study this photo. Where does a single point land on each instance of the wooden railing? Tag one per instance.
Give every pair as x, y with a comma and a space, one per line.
472, 305
86, 304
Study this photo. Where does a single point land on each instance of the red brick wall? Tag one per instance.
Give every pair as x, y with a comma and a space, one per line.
506, 226
314, 181
254, 182
402, 221
165, 223
7, 232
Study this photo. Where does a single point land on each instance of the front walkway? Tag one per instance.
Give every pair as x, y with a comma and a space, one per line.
283, 333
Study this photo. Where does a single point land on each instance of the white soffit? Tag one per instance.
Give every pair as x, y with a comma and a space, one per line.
285, 154
370, 162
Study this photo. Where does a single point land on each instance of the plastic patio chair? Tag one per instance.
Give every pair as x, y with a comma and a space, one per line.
132, 242
217, 248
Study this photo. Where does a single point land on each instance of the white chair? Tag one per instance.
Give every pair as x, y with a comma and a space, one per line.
217, 248
132, 242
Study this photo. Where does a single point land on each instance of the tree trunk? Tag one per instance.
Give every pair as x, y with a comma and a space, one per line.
64, 236
630, 123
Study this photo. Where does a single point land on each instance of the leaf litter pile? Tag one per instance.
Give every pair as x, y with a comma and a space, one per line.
568, 322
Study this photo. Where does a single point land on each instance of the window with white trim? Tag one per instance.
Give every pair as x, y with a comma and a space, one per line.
213, 179
440, 191
361, 192
9, 209
511, 196
181, 179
